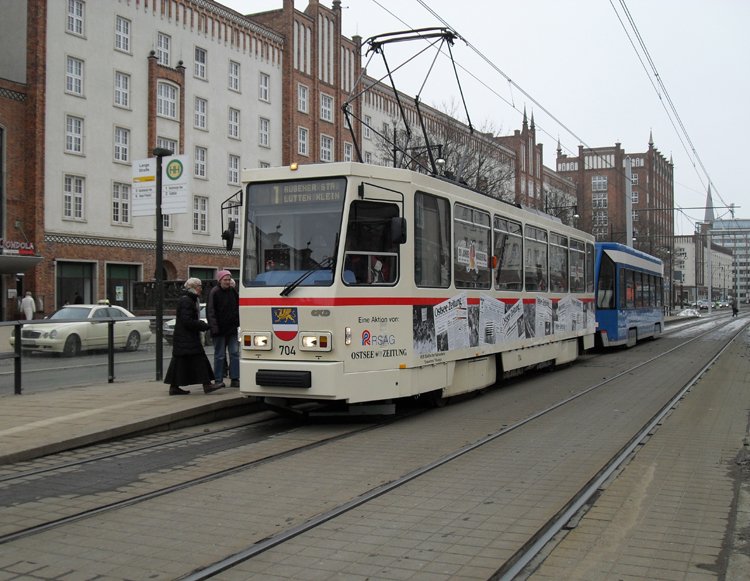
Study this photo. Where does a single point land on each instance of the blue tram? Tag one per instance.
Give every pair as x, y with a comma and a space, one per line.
629, 289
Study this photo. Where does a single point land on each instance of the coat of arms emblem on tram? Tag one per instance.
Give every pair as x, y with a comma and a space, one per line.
284, 322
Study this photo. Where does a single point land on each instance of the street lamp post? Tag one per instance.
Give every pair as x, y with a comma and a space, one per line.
159, 152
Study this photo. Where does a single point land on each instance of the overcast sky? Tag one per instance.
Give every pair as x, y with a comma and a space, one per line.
574, 59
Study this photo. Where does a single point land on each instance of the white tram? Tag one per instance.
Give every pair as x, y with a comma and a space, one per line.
363, 283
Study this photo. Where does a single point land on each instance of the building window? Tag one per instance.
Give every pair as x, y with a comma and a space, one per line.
302, 134
599, 200
122, 89
200, 214
201, 60
264, 132
348, 150
73, 192
264, 88
636, 217
166, 100
634, 179
326, 107
122, 34
163, 45
200, 119
599, 183
326, 148
634, 198
122, 144
366, 124
167, 221
368, 157
74, 76
76, 15
169, 144
234, 123
386, 130
73, 134
302, 100
120, 203
201, 158
233, 173
234, 76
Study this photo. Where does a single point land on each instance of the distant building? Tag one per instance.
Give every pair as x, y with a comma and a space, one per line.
690, 266
735, 236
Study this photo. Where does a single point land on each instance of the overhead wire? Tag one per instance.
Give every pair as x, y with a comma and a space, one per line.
641, 42
692, 152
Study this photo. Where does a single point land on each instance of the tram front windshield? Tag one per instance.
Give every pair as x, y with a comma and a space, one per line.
292, 231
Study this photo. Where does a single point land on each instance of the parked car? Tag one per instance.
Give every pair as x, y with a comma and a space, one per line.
703, 304
168, 328
76, 328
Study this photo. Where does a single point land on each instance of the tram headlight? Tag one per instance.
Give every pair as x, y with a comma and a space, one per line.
258, 341
315, 342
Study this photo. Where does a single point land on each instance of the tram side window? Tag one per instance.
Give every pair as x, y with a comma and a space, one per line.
627, 289
535, 264
590, 268
471, 232
509, 253
605, 292
577, 262
432, 254
370, 255
639, 290
558, 263
659, 286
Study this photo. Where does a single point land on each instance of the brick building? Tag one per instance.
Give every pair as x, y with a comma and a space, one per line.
319, 73
98, 85
599, 175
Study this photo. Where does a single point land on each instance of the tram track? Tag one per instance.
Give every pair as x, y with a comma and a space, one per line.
537, 542
158, 491
291, 532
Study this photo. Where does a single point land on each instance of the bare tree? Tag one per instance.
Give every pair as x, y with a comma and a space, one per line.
473, 158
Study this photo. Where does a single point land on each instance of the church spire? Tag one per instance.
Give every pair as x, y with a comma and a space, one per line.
709, 216
525, 122
651, 137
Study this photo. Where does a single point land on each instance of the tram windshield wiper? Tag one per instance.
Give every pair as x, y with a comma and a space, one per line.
326, 263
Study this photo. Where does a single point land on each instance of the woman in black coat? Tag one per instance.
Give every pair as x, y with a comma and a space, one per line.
189, 363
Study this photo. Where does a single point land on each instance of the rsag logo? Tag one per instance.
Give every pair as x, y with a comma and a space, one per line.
369, 340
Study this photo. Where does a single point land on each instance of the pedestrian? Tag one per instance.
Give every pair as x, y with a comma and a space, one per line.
77, 299
28, 306
223, 313
189, 364
735, 309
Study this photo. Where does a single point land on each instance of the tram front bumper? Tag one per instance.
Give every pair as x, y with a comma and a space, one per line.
293, 379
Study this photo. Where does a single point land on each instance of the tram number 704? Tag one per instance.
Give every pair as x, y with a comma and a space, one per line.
287, 350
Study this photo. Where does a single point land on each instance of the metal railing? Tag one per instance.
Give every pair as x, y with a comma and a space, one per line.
17, 353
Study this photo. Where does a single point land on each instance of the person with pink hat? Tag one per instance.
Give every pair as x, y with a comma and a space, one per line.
223, 313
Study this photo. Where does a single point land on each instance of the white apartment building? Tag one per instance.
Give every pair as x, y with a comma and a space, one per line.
121, 77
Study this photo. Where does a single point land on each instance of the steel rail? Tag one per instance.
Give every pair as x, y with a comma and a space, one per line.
277, 539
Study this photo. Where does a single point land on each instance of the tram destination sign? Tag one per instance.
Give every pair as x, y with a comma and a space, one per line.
298, 192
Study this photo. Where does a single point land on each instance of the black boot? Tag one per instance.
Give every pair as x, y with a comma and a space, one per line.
174, 390
209, 387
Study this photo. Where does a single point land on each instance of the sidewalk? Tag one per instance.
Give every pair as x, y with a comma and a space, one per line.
44, 423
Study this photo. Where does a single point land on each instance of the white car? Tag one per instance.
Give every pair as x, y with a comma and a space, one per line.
168, 328
76, 328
